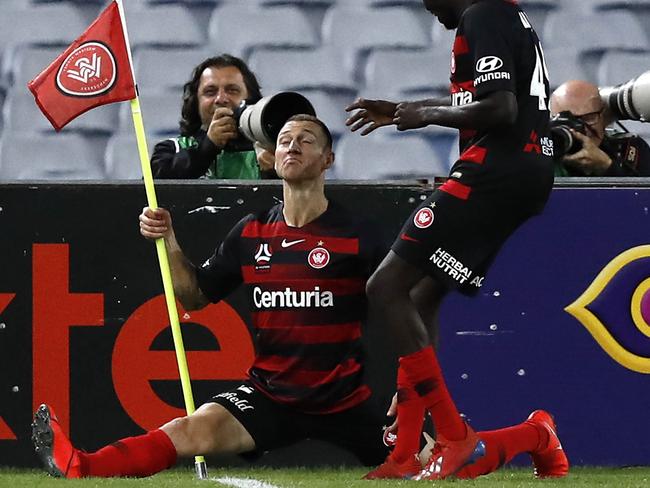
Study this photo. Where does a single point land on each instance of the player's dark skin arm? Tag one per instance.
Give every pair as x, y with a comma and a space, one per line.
433, 102
498, 108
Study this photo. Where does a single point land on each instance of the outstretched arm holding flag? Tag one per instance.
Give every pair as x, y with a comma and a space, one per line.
96, 69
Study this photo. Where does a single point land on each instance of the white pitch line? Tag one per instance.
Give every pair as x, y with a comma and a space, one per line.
243, 482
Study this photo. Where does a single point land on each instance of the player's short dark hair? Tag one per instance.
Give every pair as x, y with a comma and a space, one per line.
190, 120
318, 122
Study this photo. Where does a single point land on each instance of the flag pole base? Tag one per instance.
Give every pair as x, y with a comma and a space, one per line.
201, 470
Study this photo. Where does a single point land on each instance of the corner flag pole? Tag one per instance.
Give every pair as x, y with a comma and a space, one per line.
163, 260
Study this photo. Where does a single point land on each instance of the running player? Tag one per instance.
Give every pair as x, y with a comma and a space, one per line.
304, 264
499, 102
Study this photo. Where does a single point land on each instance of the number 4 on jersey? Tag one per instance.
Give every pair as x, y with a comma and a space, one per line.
540, 73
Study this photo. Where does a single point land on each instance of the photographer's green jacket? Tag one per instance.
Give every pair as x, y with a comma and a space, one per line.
186, 157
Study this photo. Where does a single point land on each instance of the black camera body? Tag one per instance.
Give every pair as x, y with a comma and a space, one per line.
563, 140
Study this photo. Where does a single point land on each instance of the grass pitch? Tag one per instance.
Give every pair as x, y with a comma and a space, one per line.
325, 478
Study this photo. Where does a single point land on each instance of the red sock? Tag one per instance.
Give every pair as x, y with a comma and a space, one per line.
501, 446
426, 377
410, 413
133, 456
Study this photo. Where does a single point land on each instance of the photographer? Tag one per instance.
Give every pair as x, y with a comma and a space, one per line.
590, 150
209, 145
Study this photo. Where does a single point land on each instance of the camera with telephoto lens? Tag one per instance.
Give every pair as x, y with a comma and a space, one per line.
564, 142
261, 122
630, 100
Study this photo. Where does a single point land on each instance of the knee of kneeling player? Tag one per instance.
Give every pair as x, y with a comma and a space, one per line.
189, 436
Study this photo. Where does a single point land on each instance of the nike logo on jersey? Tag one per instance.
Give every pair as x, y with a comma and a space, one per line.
406, 237
286, 243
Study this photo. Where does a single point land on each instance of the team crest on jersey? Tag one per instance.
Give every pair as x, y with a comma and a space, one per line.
262, 257
318, 258
423, 218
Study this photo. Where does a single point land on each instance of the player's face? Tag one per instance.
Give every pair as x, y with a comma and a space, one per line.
219, 87
446, 12
301, 152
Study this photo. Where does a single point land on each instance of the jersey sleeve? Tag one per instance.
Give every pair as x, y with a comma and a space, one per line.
491, 40
221, 273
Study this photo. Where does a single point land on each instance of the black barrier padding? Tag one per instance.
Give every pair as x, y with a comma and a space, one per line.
99, 223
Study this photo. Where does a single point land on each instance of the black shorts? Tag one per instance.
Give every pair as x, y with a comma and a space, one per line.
455, 234
273, 425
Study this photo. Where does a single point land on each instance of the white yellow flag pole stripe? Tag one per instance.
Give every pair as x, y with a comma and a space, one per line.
163, 260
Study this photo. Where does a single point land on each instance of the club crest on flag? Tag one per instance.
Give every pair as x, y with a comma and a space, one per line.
88, 71
94, 70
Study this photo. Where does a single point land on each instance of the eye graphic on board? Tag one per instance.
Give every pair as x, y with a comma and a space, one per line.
615, 309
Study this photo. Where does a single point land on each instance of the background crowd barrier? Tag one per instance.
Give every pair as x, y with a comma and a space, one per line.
83, 324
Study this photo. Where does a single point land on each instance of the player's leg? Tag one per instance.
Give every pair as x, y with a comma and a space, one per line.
389, 291
410, 408
357, 430
427, 295
536, 435
211, 429
448, 239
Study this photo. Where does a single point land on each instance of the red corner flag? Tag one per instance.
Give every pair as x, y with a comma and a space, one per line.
93, 71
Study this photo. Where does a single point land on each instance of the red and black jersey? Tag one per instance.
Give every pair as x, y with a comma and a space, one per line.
307, 296
496, 49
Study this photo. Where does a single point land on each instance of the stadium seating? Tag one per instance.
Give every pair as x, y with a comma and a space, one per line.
330, 108
283, 27
592, 34
16, 4
594, 5
188, 3
57, 25
356, 31
329, 50
53, 157
443, 139
160, 113
387, 157
164, 25
619, 67
443, 38
594, 31
121, 159
302, 69
25, 63
166, 69
564, 63
22, 115
538, 10
394, 3
407, 75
